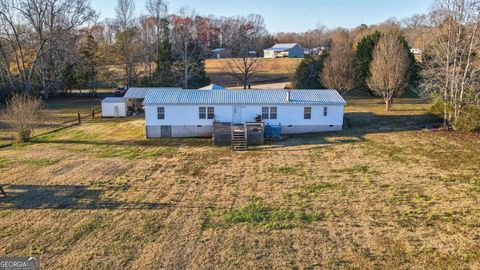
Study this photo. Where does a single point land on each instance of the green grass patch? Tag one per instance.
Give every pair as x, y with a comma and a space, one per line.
357, 169
285, 170
5, 213
132, 152
258, 214
41, 162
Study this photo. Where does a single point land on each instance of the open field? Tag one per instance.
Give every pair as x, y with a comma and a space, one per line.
381, 195
272, 71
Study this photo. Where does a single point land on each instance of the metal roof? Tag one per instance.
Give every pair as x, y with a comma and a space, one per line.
283, 46
141, 92
314, 97
113, 100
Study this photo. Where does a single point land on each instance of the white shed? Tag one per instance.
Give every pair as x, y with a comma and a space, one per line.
290, 50
114, 107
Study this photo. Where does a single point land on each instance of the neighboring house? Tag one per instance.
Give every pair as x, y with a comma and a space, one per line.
221, 53
192, 113
290, 50
114, 107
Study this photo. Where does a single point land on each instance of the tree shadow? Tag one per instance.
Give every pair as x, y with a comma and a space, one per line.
68, 197
359, 124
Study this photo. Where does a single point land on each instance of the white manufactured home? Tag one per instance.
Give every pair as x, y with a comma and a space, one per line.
192, 113
290, 50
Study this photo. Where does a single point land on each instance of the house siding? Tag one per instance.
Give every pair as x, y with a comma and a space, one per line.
184, 119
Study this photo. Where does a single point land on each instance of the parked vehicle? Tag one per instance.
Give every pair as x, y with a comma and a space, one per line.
121, 91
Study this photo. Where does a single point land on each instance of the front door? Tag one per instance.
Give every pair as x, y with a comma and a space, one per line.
166, 131
237, 114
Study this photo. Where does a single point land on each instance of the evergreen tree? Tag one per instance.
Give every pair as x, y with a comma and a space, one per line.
88, 62
199, 76
164, 72
308, 73
364, 56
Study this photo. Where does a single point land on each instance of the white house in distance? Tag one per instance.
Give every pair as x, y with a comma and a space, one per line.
290, 50
192, 113
221, 53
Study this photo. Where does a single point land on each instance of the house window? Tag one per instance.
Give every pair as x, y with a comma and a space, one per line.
265, 112
211, 112
325, 111
202, 112
307, 113
269, 112
161, 113
273, 112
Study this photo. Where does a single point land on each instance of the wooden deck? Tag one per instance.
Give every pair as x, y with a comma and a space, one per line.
239, 136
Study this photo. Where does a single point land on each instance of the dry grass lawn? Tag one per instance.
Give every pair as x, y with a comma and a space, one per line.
381, 195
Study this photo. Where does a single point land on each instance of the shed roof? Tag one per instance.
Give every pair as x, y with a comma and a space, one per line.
261, 97
113, 100
141, 92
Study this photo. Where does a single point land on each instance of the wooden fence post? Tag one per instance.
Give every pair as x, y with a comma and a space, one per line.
93, 113
79, 118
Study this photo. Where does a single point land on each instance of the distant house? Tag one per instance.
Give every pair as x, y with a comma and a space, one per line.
194, 113
416, 51
290, 50
221, 53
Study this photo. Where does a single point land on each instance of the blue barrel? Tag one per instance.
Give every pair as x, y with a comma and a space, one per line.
273, 132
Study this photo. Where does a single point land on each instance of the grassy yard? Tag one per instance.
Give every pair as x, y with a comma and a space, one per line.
383, 194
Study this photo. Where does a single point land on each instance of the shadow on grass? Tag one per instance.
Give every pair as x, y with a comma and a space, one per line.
69, 197
359, 124
174, 142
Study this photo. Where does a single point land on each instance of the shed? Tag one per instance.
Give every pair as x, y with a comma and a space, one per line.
281, 50
135, 96
114, 107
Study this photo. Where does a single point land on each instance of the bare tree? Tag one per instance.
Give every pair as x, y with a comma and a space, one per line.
243, 68
389, 68
339, 71
34, 31
451, 70
23, 113
185, 41
125, 11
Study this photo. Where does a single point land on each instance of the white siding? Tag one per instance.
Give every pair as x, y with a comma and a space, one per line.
108, 109
286, 115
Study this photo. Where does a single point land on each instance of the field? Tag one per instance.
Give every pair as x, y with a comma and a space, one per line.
383, 194
272, 71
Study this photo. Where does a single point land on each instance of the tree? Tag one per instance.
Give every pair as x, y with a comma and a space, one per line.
124, 44
186, 44
364, 57
339, 70
89, 62
125, 11
452, 62
243, 68
37, 34
307, 75
389, 68
164, 72
23, 113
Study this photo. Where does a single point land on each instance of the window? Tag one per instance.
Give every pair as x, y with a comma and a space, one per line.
307, 113
211, 112
161, 113
265, 112
269, 112
273, 112
202, 113
325, 111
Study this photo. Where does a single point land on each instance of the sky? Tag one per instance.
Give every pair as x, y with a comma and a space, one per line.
293, 15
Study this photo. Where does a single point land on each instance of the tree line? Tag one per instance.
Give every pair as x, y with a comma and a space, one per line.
379, 60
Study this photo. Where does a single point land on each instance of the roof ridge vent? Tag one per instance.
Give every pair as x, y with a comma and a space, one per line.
289, 95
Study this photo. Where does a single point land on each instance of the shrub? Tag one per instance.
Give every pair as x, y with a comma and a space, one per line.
23, 113
469, 119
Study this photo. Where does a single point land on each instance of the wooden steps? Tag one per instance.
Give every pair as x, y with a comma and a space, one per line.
239, 140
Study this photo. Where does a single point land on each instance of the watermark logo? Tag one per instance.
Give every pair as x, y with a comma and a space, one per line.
19, 263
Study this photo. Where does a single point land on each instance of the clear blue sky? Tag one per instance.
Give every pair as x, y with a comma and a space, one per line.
293, 15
